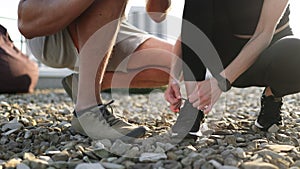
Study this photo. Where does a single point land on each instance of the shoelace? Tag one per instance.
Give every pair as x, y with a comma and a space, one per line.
110, 118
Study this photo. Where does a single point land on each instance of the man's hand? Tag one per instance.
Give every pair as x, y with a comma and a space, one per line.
157, 9
173, 96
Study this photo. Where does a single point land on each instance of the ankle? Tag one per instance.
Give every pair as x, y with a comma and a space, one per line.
268, 92
80, 107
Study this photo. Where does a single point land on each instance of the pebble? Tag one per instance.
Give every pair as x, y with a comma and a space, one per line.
42, 129
258, 164
22, 166
112, 166
89, 166
152, 157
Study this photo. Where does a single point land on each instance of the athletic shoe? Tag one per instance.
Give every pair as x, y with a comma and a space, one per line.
189, 120
67, 83
98, 122
269, 113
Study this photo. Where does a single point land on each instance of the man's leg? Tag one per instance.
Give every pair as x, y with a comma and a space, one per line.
91, 65
148, 67
95, 33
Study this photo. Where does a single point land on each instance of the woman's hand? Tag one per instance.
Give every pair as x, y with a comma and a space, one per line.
173, 96
205, 95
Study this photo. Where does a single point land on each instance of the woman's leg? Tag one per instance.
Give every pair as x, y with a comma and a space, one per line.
277, 68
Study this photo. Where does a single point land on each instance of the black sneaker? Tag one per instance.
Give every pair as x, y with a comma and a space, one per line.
189, 120
269, 113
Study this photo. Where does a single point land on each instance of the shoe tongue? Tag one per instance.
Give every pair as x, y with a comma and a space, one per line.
272, 98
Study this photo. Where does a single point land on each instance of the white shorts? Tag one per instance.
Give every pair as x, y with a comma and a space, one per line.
59, 51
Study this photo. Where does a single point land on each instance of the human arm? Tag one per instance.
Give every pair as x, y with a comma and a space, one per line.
172, 93
44, 17
157, 9
207, 92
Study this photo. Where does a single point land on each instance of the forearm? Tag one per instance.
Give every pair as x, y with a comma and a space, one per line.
247, 56
157, 9
261, 39
176, 65
44, 17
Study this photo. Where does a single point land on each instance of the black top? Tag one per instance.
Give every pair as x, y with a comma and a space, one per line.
244, 15
241, 15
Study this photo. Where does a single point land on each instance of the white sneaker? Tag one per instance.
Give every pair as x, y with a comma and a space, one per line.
98, 122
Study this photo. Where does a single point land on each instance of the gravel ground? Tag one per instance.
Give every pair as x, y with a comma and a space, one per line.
36, 133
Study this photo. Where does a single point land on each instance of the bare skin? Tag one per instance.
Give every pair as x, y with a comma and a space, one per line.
152, 59
86, 17
83, 20
205, 94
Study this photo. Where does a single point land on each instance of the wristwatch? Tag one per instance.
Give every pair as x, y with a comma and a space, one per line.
223, 83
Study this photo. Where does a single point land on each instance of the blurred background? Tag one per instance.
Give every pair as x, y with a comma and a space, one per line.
136, 15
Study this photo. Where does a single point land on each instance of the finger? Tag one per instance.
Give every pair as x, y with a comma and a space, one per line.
204, 103
174, 108
169, 96
208, 109
196, 104
193, 97
177, 92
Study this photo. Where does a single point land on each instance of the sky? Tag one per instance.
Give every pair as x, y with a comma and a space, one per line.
8, 15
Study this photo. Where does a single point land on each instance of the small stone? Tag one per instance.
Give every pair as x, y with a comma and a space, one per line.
296, 164
198, 163
159, 150
29, 156
106, 142
239, 152
187, 161
112, 166
89, 166
240, 140
62, 156
215, 163
273, 129
45, 158
101, 153
28, 134
37, 163
230, 139
280, 148
230, 160
258, 164
11, 125
283, 137
9, 132
172, 156
207, 165
152, 157
133, 152
128, 164
22, 166
12, 163
119, 147
171, 164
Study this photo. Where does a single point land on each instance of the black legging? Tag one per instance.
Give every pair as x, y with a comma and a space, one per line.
278, 66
